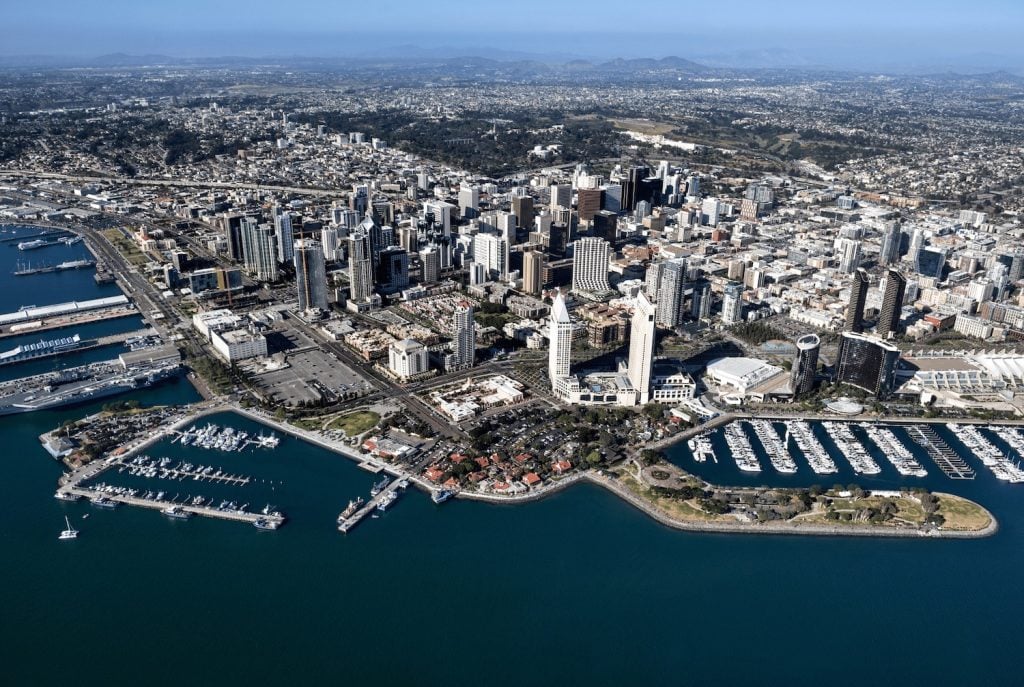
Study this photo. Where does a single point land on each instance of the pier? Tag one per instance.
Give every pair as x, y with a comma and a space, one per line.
348, 523
73, 490
203, 473
35, 237
946, 458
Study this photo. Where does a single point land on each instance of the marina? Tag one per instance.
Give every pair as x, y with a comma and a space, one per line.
951, 463
816, 455
701, 448
894, 450
773, 445
214, 437
991, 457
154, 468
851, 448
740, 448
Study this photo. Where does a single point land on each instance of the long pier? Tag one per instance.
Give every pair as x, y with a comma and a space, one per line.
205, 511
68, 320
43, 235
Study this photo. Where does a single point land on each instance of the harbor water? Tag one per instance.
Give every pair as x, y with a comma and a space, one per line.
578, 588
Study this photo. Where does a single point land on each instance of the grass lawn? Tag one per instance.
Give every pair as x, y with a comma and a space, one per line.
961, 514
354, 424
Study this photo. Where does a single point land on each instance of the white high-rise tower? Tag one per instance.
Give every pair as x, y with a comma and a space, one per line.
560, 336
641, 348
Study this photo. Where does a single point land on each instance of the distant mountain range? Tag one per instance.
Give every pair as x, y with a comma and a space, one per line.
524, 63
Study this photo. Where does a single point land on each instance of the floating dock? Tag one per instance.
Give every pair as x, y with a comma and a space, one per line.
939, 451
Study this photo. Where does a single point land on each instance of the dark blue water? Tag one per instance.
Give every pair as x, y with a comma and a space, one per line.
576, 589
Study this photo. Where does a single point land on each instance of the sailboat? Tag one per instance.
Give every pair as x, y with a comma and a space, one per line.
70, 532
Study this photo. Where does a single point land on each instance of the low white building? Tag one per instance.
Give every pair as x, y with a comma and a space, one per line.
408, 358
215, 320
743, 375
239, 344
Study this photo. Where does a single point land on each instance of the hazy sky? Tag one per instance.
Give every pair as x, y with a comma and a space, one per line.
597, 28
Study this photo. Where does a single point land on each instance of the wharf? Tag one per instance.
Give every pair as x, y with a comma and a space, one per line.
235, 515
33, 237
70, 320
348, 523
195, 475
946, 458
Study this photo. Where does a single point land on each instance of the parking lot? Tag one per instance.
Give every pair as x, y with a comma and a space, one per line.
311, 375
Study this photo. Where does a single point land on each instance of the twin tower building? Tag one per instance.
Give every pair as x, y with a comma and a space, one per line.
631, 385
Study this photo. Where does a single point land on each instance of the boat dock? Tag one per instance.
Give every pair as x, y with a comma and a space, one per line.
939, 451
202, 473
62, 267
393, 486
154, 504
36, 237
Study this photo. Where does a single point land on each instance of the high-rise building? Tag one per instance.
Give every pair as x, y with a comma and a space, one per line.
232, 227
393, 269
671, 289
732, 304
867, 363
855, 306
560, 338
930, 261
464, 337
561, 196
522, 208
848, 254
259, 250
589, 202
700, 303
892, 304
360, 265
533, 271
430, 259
469, 201
805, 365
285, 235
491, 251
641, 348
652, 279
330, 238
310, 275
889, 252
590, 265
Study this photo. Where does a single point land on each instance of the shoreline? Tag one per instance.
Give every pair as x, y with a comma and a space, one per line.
612, 485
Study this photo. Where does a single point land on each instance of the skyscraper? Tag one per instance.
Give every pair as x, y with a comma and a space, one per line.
310, 276
430, 259
848, 253
464, 336
259, 250
522, 208
867, 363
491, 251
652, 279
360, 265
560, 338
590, 265
805, 365
561, 196
533, 271
285, 235
855, 306
641, 348
732, 304
393, 269
889, 253
892, 304
330, 238
670, 296
700, 303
